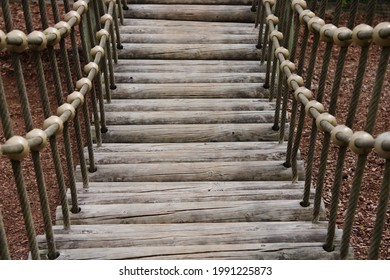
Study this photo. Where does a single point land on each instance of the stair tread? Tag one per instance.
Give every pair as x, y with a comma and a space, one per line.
191, 90
191, 212
264, 251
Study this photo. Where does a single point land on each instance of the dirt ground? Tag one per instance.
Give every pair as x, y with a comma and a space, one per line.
364, 220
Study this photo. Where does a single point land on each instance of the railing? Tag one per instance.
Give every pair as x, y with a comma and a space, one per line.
98, 32
283, 74
97, 23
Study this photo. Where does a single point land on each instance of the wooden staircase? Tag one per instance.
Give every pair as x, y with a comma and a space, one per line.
190, 167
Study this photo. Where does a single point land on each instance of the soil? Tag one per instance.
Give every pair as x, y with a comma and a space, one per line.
366, 211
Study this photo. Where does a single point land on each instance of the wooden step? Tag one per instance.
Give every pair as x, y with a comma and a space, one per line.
135, 235
188, 38
221, 13
193, 171
191, 29
190, 90
191, 117
264, 251
179, 133
191, 212
203, 2
190, 51
87, 197
188, 152
135, 105
186, 23
168, 78
189, 66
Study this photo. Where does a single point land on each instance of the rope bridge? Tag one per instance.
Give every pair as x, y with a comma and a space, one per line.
289, 34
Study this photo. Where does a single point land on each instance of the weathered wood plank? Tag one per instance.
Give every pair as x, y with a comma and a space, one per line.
188, 156
179, 133
203, 38
87, 198
193, 29
187, 147
193, 104
191, 212
189, 66
266, 251
208, 2
168, 78
198, 186
198, 90
188, 117
191, 12
190, 51
195, 171
106, 236
188, 23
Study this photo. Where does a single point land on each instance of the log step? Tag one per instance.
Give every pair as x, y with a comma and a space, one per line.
186, 23
168, 78
179, 133
190, 51
136, 105
192, 29
204, 38
190, 90
155, 235
264, 251
194, 171
87, 197
190, 152
191, 212
190, 117
208, 2
189, 66
220, 13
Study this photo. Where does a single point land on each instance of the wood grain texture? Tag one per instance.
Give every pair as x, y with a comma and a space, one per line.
195, 171
193, 104
190, 51
179, 133
192, 12
190, 90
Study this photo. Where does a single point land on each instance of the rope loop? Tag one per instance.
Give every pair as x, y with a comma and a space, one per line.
306, 13
75, 95
21, 141
270, 2
315, 105
106, 17
92, 65
315, 21
53, 34
341, 131
358, 40
65, 26
73, 14
326, 31
295, 78
101, 33
277, 34
37, 133
289, 64
381, 34
300, 3
66, 107
82, 82
54, 120
95, 50
16, 41
342, 36
382, 145
37, 41
303, 91
360, 136
81, 3
325, 117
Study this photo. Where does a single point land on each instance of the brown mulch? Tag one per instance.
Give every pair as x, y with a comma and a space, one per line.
370, 189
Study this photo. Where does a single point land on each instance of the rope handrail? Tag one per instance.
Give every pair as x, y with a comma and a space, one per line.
18, 147
380, 34
343, 136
